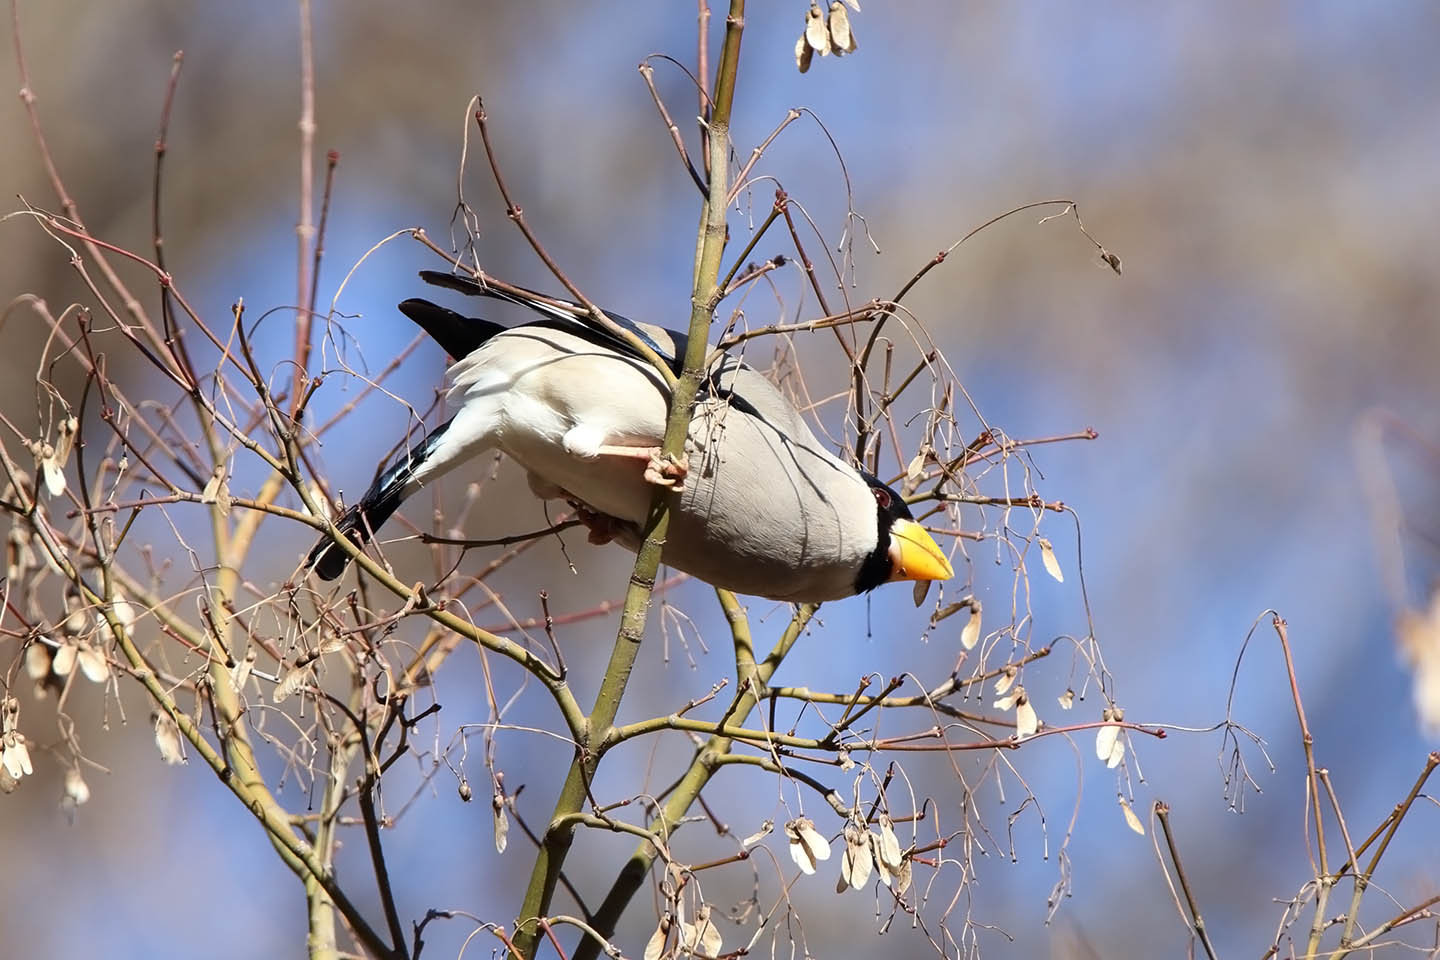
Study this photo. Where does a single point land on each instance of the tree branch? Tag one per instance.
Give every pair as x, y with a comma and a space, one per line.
704, 297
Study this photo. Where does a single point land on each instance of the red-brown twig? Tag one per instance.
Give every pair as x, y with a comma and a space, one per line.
790, 117
305, 227
1195, 921
648, 72
167, 315
332, 160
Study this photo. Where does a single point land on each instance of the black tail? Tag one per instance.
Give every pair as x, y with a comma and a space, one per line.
383, 498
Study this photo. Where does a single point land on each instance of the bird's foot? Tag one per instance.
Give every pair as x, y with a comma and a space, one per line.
603, 527
665, 470
661, 468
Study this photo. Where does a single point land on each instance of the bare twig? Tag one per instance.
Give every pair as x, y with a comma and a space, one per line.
305, 226
648, 72
1197, 921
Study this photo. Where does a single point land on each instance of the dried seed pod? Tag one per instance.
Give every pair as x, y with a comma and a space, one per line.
64, 661
77, 791
758, 835
807, 845
842, 38
816, 35
15, 755
502, 822
167, 739
289, 685
51, 471
971, 634
655, 948
903, 877
1026, 720
92, 663
240, 673
857, 861
75, 622
1109, 746
1131, 820
705, 940
37, 660
217, 490
887, 850
69, 427
1052, 565
915, 469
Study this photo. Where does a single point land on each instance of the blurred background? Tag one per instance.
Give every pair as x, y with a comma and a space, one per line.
1266, 172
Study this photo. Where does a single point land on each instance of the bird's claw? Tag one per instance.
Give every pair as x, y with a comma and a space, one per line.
602, 526
667, 470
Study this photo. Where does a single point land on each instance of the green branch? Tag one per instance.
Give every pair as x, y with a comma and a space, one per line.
704, 296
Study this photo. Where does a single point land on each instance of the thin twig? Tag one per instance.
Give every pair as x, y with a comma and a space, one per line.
1197, 921
305, 227
332, 160
162, 144
790, 117
499, 541
648, 72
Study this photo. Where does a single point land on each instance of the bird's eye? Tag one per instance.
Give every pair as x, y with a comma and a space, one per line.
882, 497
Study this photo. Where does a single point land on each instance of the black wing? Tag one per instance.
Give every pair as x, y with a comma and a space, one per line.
467, 334
672, 355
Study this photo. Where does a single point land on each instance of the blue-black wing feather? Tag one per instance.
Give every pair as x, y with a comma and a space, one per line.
469, 333
672, 355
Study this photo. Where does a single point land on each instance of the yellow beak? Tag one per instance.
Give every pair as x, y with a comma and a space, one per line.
914, 554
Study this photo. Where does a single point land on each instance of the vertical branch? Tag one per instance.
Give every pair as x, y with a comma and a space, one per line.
705, 295
320, 909
702, 73
1197, 920
162, 146
332, 160
305, 228
1323, 879
320, 943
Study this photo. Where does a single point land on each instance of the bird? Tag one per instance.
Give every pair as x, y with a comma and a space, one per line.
758, 505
